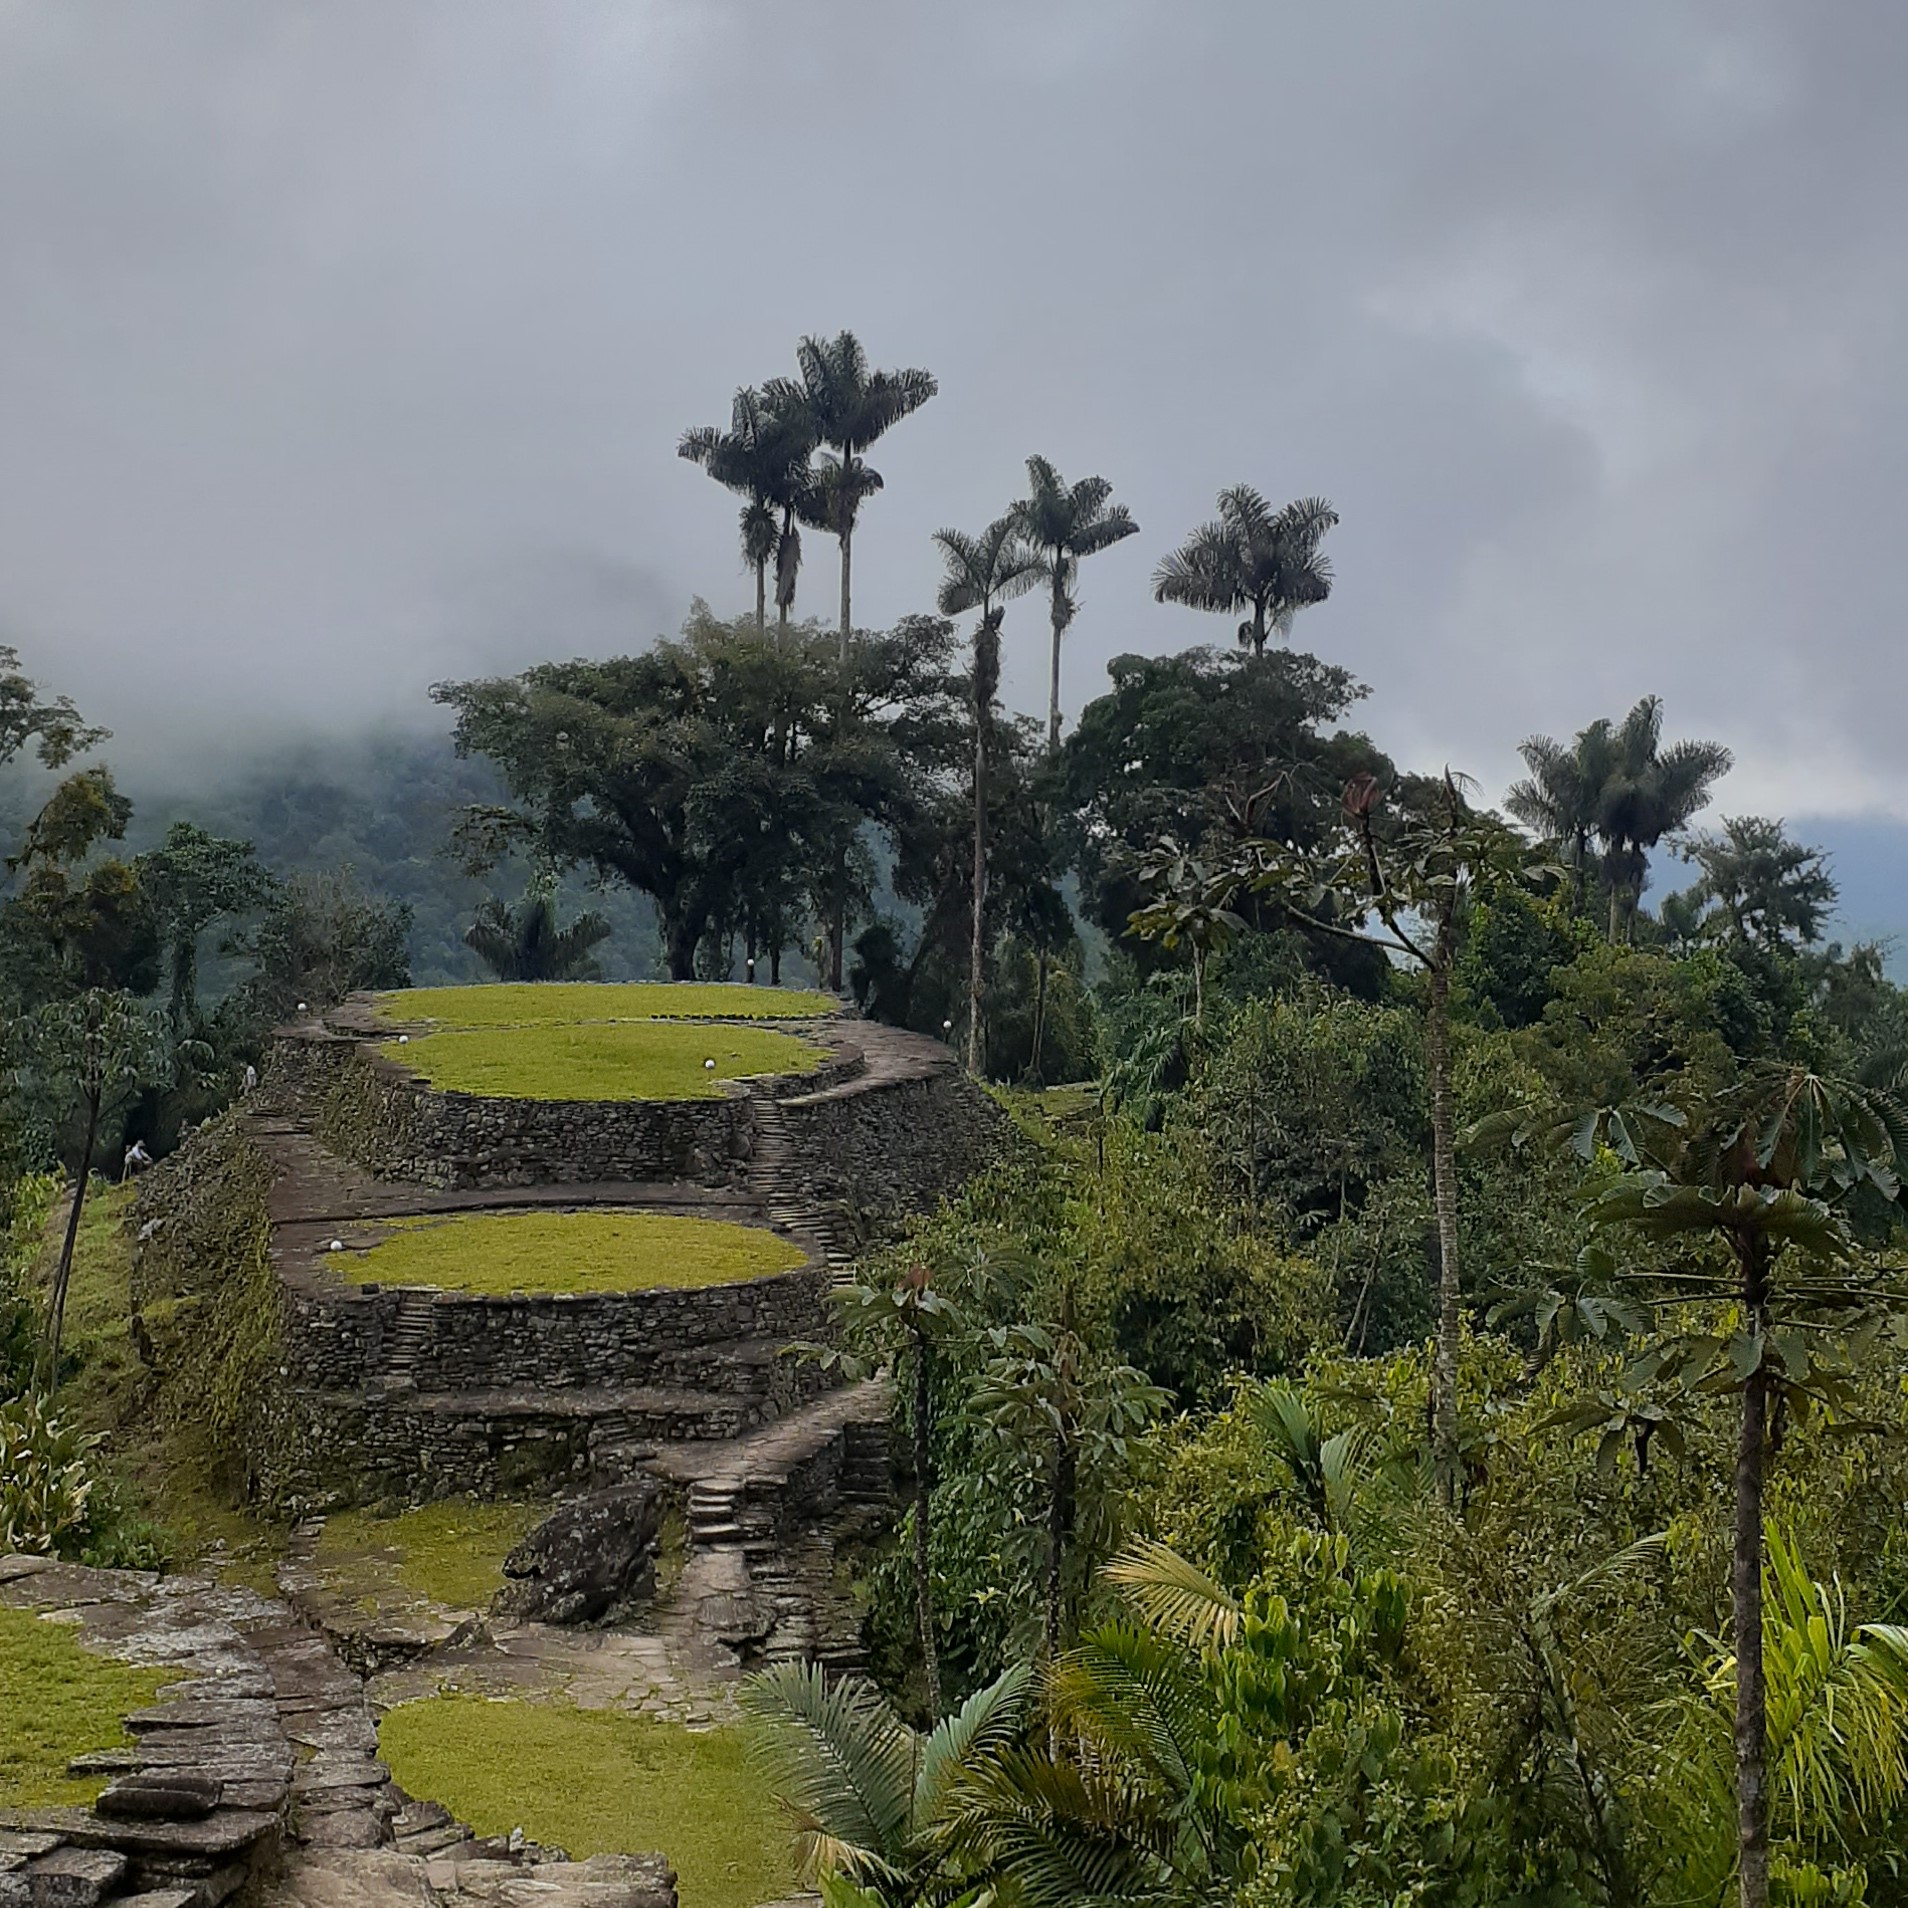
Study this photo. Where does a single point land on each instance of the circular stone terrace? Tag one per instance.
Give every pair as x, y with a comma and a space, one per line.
533, 1235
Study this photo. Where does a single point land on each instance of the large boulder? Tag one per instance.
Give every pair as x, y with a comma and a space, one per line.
592, 1555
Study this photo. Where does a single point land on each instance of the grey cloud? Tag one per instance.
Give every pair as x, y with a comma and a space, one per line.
347, 345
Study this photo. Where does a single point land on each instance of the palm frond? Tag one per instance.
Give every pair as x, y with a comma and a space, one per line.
1175, 1596
838, 1759
980, 1729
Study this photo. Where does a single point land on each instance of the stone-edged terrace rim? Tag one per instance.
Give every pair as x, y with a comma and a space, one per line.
566, 1003
492, 1254
603, 1059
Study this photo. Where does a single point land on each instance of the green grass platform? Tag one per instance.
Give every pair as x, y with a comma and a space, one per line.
450, 1552
566, 1003
597, 1251
58, 1700
598, 1783
601, 1060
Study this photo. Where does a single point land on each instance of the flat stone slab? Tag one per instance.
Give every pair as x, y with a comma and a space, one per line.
181, 1794
74, 1877
244, 1712
223, 1832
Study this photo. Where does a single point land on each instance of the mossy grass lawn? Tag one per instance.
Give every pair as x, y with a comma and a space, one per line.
604, 1250
448, 1553
602, 1060
58, 1700
598, 1783
566, 1003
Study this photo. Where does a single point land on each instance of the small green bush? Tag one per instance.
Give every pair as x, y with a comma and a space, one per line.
46, 1483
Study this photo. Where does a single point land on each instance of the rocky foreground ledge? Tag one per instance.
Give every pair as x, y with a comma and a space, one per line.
254, 1779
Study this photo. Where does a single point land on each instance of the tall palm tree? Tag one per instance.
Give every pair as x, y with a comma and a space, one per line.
1648, 793
848, 407
1066, 522
1617, 784
982, 573
1557, 800
763, 457
1252, 558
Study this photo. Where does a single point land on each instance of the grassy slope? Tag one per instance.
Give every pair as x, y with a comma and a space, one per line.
601, 1251
449, 1553
602, 1060
565, 1003
57, 1700
596, 1783
107, 1390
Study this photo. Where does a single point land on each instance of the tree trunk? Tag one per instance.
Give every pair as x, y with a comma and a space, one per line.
838, 902
837, 921
761, 596
1060, 1512
923, 1576
788, 554
679, 948
185, 981
1040, 1020
1053, 679
1745, 1596
1437, 1043
847, 562
977, 939
63, 1273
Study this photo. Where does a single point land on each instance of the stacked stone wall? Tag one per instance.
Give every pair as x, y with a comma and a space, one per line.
897, 1147
340, 1340
367, 1109
325, 1449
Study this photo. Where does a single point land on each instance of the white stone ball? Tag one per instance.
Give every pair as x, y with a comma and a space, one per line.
337, 1245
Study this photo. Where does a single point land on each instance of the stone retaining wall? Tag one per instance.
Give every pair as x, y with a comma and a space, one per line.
343, 1338
897, 1146
328, 1449
368, 1110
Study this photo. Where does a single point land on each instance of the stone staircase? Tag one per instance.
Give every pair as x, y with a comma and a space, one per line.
760, 1581
776, 1178
410, 1339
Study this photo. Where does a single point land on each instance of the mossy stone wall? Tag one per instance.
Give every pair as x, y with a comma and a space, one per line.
344, 1338
367, 1109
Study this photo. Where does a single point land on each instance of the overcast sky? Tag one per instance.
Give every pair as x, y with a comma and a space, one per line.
344, 344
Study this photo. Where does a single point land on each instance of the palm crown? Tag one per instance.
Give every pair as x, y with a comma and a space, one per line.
1253, 558
763, 457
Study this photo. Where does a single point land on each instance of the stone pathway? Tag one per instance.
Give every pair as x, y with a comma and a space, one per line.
257, 1774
